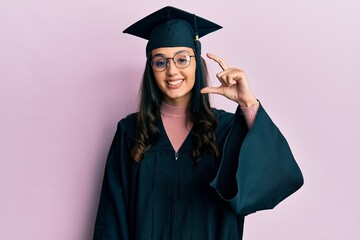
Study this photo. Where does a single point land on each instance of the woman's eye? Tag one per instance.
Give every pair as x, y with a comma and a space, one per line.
160, 63
182, 59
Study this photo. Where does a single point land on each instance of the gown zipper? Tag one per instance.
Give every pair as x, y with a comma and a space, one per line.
173, 199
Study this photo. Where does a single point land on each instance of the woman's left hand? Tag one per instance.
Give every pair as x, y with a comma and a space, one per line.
234, 84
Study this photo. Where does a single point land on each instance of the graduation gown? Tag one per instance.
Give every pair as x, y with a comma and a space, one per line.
169, 196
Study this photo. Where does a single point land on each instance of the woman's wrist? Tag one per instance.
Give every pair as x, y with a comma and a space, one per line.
247, 103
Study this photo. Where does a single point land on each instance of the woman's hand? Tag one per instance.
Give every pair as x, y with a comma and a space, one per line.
234, 84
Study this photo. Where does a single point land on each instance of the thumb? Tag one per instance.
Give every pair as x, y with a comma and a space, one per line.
215, 90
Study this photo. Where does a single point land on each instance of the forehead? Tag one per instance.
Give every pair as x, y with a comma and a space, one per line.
171, 51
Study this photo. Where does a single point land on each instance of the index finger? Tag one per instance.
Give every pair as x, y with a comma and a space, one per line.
219, 60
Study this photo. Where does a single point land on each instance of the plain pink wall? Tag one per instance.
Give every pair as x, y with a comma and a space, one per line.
68, 74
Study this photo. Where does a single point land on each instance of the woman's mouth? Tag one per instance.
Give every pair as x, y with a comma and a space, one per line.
174, 83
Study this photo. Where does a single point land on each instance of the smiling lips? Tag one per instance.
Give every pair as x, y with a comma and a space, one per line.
174, 83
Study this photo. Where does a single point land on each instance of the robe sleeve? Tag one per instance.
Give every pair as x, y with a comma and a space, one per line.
111, 220
250, 114
257, 169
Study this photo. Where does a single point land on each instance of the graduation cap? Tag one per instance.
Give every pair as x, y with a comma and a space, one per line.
172, 27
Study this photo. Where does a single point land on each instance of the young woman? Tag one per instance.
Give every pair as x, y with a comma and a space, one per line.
179, 169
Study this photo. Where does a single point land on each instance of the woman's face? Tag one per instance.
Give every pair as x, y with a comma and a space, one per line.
175, 83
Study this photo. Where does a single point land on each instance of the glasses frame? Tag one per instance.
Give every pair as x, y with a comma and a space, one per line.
168, 61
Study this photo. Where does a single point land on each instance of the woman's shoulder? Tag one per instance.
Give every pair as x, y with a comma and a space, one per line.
222, 115
224, 123
129, 120
127, 125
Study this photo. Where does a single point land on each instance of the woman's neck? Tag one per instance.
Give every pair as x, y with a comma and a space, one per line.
176, 124
168, 109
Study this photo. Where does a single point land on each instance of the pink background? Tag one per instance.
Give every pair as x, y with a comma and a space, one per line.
68, 74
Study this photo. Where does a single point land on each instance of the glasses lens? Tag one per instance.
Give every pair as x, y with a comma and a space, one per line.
159, 63
182, 60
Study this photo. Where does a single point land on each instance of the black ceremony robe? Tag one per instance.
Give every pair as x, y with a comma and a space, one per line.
170, 197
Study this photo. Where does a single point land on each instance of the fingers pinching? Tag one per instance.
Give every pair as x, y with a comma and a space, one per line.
219, 60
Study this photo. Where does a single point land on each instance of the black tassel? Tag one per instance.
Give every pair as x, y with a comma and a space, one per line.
199, 76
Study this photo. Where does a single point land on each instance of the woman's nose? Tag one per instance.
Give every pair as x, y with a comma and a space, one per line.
171, 68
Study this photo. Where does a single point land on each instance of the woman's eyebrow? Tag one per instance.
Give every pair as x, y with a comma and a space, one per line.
181, 51
158, 54
162, 55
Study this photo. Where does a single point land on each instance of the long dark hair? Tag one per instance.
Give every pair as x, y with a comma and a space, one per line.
204, 122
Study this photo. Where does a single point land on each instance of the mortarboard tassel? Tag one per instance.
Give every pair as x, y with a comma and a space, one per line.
199, 76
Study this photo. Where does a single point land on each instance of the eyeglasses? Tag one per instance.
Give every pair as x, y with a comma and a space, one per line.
160, 63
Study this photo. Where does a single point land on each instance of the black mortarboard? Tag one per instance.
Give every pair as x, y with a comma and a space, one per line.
172, 27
